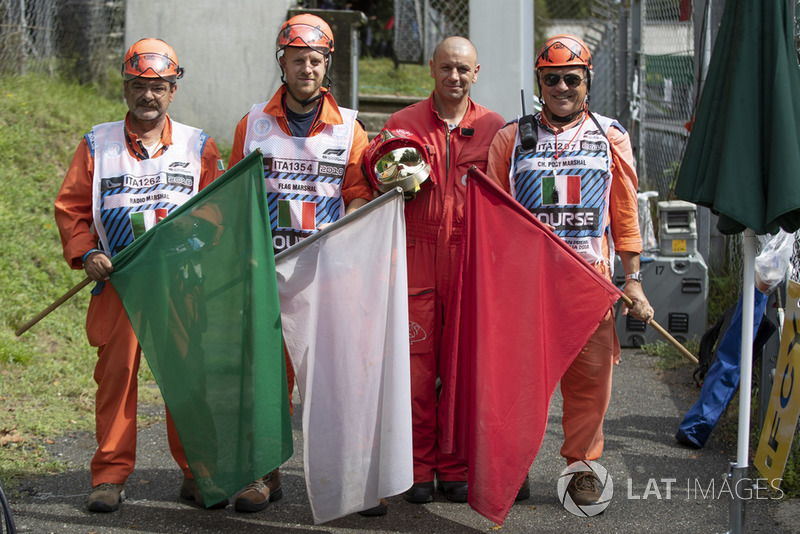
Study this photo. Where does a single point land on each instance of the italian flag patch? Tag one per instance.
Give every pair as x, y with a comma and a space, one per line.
561, 190
141, 221
297, 214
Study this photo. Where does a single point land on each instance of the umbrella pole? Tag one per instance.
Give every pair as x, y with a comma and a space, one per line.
738, 471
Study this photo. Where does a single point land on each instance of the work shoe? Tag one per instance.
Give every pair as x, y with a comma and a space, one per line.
686, 441
583, 488
376, 511
454, 491
106, 497
420, 493
190, 490
524, 492
258, 494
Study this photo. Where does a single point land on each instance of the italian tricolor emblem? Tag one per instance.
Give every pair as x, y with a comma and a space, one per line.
297, 214
561, 190
141, 221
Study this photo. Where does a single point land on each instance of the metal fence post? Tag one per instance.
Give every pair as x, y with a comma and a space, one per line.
637, 73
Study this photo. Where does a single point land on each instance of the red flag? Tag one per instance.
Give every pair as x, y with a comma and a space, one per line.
529, 304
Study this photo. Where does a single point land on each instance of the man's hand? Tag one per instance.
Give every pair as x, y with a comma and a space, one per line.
641, 309
355, 204
98, 266
633, 289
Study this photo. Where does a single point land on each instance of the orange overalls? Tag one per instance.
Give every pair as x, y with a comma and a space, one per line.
107, 324
434, 220
586, 386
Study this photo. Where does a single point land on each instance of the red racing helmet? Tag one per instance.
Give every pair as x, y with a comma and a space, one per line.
396, 158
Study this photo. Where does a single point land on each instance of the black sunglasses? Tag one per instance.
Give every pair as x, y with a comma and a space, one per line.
572, 80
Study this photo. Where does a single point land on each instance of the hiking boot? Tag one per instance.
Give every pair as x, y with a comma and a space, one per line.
583, 488
376, 511
524, 492
258, 494
454, 490
190, 491
420, 493
106, 497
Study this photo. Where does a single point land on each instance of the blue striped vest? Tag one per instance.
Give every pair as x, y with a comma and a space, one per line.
129, 196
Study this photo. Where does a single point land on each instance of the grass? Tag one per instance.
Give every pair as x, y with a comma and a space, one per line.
724, 290
668, 356
46, 385
378, 76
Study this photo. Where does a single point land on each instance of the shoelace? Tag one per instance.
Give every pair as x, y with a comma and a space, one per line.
585, 481
256, 485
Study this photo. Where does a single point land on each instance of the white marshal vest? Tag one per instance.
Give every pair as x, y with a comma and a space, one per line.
566, 183
129, 196
304, 175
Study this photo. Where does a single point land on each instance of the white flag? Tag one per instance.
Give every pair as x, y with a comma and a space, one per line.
344, 311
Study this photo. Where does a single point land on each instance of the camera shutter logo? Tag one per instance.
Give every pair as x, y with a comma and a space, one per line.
600, 474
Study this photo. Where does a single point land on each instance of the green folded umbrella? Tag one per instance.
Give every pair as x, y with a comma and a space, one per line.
743, 155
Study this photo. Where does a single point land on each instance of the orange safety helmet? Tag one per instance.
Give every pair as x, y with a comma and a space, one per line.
151, 58
564, 51
306, 31
396, 158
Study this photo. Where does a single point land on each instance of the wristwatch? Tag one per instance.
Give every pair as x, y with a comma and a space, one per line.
637, 276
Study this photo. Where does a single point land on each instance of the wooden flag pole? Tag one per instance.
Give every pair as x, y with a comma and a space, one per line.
86, 281
666, 335
61, 300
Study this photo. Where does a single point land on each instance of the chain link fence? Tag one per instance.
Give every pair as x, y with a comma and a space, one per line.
667, 91
79, 38
644, 73
421, 24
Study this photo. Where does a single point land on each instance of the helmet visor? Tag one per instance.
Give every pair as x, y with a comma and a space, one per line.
303, 35
404, 167
162, 66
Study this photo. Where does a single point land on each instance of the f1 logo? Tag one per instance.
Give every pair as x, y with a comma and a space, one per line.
335, 152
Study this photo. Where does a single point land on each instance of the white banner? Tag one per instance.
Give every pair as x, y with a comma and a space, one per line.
344, 310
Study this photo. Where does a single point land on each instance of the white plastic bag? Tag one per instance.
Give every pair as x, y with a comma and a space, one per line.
773, 262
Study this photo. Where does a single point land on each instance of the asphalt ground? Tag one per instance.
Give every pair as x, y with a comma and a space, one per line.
659, 485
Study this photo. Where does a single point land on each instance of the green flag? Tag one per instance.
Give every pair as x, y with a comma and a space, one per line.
200, 290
